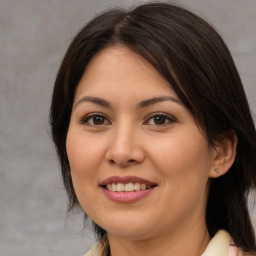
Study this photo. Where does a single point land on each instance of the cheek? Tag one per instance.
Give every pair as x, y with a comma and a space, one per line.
182, 157
83, 152
84, 161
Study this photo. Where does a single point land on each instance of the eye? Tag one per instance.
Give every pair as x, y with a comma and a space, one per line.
159, 119
95, 120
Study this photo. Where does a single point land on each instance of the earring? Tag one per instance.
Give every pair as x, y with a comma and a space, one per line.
217, 170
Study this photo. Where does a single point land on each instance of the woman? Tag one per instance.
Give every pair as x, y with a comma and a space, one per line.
154, 135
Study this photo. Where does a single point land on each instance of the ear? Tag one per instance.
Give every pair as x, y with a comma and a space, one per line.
224, 154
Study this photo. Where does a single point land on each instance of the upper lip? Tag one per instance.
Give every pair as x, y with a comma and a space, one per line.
125, 180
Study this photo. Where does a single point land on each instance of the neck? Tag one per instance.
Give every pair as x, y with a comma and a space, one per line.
191, 242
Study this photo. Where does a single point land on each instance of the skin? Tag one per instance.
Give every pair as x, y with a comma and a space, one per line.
127, 139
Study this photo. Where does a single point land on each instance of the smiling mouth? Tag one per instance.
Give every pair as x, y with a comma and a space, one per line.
127, 187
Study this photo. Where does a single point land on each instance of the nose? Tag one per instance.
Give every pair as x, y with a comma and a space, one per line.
125, 148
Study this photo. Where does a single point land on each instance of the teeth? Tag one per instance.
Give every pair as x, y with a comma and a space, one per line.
128, 187
113, 187
137, 186
119, 187
143, 186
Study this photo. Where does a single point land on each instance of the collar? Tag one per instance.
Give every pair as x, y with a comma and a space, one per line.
219, 244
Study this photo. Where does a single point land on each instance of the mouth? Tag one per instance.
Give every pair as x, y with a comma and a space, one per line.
127, 187
126, 184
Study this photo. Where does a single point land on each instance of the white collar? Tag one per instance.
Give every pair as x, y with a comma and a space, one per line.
219, 244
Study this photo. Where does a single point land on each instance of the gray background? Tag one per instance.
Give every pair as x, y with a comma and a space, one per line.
33, 38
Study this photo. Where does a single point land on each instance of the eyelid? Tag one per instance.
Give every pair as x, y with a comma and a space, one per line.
86, 117
169, 117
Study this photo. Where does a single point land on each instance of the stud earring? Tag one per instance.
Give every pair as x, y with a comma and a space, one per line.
217, 170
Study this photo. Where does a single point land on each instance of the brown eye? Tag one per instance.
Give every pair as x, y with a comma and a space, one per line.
98, 120
95, 120
160, 120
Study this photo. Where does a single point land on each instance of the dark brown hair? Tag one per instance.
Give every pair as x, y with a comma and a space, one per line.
195, 61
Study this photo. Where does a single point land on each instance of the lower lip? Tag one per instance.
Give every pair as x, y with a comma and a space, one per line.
127, 197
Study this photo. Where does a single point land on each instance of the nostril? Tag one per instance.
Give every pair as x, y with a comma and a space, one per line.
124, 163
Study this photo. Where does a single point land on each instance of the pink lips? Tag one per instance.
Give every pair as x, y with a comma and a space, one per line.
126, 197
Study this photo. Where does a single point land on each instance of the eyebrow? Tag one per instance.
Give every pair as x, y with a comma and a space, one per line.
95, 100
142, 104
155, 100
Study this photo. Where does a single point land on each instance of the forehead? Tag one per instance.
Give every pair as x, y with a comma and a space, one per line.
117, 68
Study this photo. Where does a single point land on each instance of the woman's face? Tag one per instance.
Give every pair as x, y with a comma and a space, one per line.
130, 132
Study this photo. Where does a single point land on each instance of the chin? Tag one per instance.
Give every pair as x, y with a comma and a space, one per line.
130, 227
130, 234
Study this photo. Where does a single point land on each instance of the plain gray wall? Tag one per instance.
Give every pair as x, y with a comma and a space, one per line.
33, 38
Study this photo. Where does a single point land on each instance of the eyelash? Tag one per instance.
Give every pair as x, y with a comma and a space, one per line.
170, 119
85, 120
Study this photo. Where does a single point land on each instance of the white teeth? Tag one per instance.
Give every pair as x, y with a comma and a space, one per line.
128, 187
137, 186
113, 187
143, 186
119, 187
